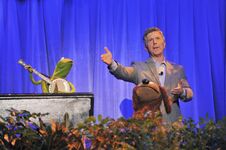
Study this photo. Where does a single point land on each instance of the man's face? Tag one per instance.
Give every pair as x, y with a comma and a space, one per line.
155, 43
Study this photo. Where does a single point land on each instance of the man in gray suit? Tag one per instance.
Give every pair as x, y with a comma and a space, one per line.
156, 69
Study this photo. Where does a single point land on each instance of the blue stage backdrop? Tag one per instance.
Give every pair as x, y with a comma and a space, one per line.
42, 31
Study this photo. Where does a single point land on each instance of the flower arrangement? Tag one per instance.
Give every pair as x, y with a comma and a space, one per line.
23, 130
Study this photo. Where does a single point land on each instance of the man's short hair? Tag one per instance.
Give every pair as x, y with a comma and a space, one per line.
150, 30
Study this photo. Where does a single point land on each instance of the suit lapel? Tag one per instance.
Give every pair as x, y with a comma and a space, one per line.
151, 66
168, 77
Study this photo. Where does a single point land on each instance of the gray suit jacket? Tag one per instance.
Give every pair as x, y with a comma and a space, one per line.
147, 70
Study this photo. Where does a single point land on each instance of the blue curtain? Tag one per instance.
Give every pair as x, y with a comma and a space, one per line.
42, 31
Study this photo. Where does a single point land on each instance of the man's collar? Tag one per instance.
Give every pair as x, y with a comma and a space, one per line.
152, 60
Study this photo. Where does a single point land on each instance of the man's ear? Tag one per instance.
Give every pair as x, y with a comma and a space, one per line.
146, 49
146, 46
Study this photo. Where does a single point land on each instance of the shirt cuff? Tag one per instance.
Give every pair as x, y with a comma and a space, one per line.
113, 66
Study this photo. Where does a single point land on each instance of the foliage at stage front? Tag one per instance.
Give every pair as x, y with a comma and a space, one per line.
25, 130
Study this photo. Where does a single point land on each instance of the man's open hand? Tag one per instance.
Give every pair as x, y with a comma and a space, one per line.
178, 90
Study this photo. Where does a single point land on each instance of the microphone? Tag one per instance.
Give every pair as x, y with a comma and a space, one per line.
161, 73
161, 70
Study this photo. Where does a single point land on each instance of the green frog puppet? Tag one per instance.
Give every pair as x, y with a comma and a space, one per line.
56, 83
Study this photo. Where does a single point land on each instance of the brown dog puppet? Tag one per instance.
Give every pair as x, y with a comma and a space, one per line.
147, 98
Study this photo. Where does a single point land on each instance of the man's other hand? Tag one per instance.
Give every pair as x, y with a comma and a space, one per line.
178, 90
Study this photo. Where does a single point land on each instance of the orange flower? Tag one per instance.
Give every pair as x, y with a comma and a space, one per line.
43, 132
53, 126
6, 137
13, 142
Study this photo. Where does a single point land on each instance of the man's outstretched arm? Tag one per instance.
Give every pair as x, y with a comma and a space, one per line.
119, 71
